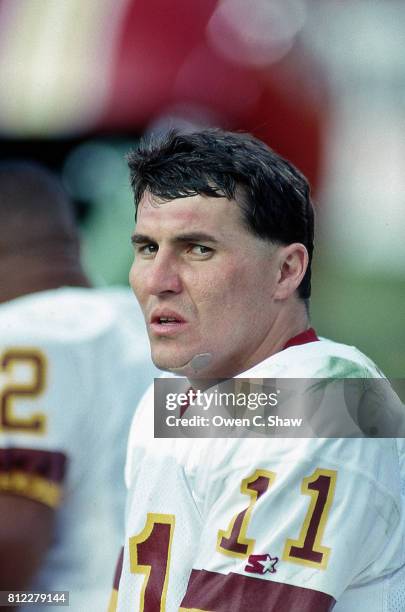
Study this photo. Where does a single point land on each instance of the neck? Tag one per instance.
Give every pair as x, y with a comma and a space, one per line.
291, 320
21, 275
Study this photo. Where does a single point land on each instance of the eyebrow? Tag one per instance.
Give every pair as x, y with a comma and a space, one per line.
140, 239
189, 237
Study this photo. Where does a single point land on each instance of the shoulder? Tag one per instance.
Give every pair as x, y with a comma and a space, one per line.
65, 314
321, 359
71, 316
71, 311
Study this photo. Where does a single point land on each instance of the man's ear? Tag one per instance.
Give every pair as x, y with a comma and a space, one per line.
293, 263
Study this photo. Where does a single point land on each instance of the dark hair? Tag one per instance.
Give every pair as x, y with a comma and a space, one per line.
33, 202
273, 195
34, 208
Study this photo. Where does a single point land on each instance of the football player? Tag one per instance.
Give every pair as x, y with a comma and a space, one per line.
74, 362
222, 270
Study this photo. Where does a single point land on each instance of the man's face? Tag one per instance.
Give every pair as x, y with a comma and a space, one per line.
205, 284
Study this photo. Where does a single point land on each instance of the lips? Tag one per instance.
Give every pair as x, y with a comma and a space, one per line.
164, 317
166, 322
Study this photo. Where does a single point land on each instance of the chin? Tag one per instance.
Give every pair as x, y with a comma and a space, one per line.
170, 363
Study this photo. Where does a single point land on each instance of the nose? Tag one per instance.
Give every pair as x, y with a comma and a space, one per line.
163, 276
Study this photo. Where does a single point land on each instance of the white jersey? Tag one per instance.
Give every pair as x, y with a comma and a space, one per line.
73, 365
261, 525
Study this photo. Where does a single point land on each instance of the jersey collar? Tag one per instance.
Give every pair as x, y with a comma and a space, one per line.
309, 335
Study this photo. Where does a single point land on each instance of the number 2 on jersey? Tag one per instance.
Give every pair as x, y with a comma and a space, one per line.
32, 364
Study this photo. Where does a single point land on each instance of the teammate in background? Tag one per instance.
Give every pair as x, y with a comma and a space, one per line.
222, 270
74, 362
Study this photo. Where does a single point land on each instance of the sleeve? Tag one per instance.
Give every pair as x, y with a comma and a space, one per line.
42, 421
295, 533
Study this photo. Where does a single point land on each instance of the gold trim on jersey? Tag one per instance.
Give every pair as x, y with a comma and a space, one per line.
32, 486
192, 610
113, 603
